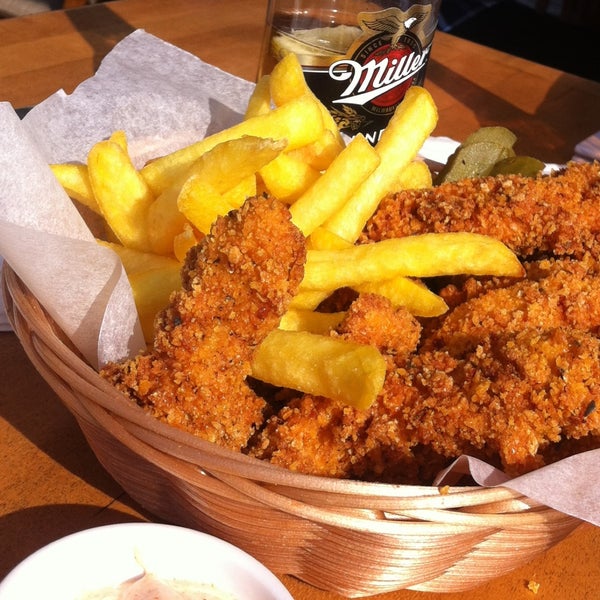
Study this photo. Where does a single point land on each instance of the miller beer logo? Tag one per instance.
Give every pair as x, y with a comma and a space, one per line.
380, 69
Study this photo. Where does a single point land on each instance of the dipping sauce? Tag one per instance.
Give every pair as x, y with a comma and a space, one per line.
148, 587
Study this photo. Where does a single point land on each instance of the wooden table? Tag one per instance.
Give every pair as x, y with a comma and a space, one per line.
50, 482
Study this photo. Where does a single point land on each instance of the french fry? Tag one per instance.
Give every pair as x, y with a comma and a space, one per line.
135, 261
320, 154
320, 239
299, 122
287, 178
287, 83
201, 198
287, 80
415, 176
414, 120
227, 164
226, 173
184, 241
152, 279
75, 181
121, 192
165, 220
201, 203
119, 137
416, 297
310, 320
308, 299
239, 193
326, 196
424, 255
259, 102
322, 366
323, 239
151, 292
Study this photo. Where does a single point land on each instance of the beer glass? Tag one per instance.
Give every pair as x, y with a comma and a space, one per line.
359, 57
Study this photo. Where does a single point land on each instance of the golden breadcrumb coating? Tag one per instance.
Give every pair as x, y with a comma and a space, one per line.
513, 368
509, 396
371, 319
325, 437
558, 214
236, 285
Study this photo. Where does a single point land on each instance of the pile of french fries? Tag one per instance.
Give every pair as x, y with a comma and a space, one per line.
288, 146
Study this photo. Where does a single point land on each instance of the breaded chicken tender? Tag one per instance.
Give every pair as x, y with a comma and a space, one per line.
326, 437
510, 397
236, 284
555, 293
558, 214
372, 320
512, 369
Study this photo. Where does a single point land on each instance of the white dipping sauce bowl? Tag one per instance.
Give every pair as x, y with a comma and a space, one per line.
107, 556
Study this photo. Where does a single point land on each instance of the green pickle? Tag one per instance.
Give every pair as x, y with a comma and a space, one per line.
487, 151
473, 160
497, 135
518, 165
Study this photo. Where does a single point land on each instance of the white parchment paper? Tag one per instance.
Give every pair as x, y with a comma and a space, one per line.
163, 98
49, 245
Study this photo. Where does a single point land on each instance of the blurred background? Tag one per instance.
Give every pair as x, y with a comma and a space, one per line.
558, 33
19, 8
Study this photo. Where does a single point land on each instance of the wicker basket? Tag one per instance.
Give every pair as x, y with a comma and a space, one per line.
394, 537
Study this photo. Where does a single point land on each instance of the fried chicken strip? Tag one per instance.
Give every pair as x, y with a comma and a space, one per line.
513, 369
510, 397
326, 437
558, 214
236, 284
555, 293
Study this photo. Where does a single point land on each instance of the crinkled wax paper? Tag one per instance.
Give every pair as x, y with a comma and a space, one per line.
163, 98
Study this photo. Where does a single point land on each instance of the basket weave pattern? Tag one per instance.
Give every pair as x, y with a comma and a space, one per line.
394, 537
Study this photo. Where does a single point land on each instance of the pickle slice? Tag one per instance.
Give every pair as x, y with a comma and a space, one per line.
495, 134
473, 160
518, 165
487, 151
